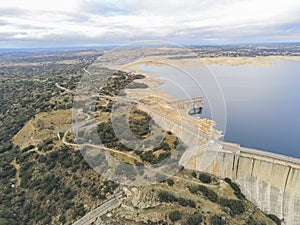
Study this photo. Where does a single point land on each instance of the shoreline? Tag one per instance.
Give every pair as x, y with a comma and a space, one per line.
265, 61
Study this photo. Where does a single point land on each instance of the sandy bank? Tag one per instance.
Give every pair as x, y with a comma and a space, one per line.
191, 62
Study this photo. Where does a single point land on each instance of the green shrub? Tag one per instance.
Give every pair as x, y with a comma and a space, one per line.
217, 220
165, 196
193, 189
170, 182
275, 219
237, 207
210, 194
162, 156
175, 215
194, 219
251, 221
194, 174
236, 188
186, 202
148, 156
205, 178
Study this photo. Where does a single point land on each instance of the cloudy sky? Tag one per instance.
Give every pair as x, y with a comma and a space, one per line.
59, 23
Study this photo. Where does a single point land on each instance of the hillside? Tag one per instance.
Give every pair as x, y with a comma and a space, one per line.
186, 198
45, 178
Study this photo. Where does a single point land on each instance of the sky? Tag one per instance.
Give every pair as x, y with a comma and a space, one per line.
67, 23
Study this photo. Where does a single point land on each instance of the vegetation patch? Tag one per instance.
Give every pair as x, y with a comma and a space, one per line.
236, 188
209, 194
165, 196
175, 215
236, 207
205, 178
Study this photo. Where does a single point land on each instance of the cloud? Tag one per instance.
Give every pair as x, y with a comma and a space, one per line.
84, 22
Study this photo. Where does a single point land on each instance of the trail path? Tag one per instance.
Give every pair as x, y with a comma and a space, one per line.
17, 167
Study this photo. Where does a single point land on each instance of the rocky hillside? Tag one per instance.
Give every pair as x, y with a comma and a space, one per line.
188, 198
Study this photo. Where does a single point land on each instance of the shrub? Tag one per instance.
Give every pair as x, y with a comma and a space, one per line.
176, 142
162, 156
275, 219
236, 188
194, 174
165, 196
237, 207
175, 215
205, 178
210, 194
194, 219
251, 221
170, 182
193, 189
186, 202
217, 220
148, 156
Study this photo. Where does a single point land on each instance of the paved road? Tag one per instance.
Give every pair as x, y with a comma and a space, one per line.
101, 147
107, 206
63, 88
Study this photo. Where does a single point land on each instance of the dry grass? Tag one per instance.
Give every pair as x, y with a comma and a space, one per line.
191, 62
43, 126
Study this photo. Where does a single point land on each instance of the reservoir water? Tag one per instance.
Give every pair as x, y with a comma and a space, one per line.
262, 102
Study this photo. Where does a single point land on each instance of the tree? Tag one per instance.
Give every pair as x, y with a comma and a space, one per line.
175, 215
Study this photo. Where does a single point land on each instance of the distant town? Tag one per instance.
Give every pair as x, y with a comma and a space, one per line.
248, 50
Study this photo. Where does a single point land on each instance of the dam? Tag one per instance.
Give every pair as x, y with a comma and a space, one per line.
270, 181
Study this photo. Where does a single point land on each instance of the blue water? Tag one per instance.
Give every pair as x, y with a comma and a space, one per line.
262, 103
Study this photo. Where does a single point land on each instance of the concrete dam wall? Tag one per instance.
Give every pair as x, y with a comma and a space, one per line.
270, 181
